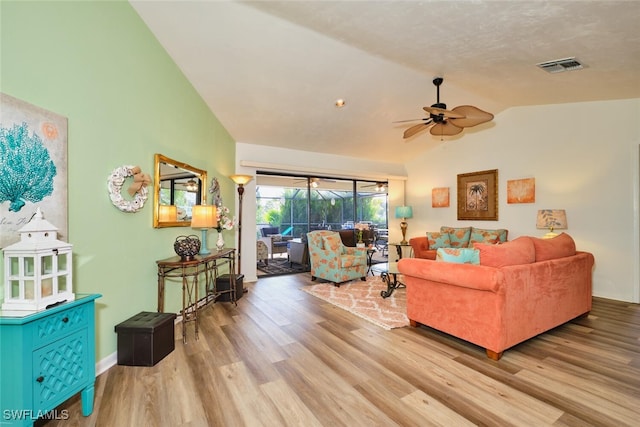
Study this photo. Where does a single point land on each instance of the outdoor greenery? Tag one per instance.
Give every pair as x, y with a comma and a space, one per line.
325, 209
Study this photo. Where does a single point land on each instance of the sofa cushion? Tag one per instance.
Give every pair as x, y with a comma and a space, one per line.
459, 237
275, 237
332, 242
437, 240
479, 235
516, 252
458, 256
556, 247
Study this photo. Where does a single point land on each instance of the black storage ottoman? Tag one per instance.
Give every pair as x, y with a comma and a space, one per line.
223, 283
145, 339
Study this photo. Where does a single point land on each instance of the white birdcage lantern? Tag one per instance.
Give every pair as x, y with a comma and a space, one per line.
38, 268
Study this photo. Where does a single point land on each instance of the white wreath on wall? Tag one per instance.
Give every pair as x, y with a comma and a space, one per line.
138, 190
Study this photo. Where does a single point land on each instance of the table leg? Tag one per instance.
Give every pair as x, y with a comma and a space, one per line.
370, 262
160, 293
391, 279
386, 279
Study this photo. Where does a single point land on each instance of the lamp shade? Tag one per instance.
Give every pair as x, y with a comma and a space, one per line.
404, 212
241, 179
551, 219
204, 216
167, 213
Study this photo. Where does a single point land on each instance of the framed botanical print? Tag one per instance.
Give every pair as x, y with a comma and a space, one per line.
440, 197
521, 190
478, 195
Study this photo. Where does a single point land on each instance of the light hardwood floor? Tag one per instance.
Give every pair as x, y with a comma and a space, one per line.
285, 358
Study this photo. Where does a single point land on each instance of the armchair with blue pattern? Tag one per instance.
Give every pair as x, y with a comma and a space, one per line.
332, 260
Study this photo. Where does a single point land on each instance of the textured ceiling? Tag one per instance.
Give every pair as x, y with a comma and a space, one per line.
272, 70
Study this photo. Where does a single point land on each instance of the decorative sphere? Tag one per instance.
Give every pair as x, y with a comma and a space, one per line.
187, 247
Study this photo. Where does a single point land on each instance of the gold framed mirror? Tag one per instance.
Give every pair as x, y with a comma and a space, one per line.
177, 187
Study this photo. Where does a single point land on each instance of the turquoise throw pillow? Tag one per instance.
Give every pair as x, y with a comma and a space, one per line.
458, 256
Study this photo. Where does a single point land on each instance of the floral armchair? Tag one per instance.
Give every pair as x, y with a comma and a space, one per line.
332, 260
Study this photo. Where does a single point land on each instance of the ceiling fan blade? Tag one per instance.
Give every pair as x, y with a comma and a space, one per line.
412, 120
472, 116
445, 129
447, 114
416, 128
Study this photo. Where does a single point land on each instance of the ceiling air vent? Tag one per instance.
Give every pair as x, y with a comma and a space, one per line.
560, 65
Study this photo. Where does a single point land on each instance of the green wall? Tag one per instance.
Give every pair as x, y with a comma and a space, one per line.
98, 64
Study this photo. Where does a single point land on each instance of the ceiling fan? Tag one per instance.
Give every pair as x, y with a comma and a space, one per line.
379, 186
314, 181
447, 122
191, 185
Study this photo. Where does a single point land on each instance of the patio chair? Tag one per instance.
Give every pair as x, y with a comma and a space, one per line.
276, 242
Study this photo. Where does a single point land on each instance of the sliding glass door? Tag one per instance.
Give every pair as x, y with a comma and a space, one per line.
298, 204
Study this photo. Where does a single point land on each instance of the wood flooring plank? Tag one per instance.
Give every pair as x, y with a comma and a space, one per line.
333, 352
253, 406
331, 398
289, 405
432, 410
568, 394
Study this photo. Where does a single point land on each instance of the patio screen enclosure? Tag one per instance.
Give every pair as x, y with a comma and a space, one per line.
299, 204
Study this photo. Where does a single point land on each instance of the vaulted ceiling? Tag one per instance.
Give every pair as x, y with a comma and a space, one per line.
271, 71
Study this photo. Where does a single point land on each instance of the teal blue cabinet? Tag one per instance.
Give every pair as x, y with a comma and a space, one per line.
45, 358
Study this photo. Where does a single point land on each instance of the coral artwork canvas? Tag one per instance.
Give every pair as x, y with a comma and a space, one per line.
440, 197
33, 167
521, 190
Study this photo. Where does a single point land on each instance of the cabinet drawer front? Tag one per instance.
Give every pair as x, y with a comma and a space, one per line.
60, 369
51, 327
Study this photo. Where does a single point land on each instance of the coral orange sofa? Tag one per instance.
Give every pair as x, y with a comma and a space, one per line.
519, 290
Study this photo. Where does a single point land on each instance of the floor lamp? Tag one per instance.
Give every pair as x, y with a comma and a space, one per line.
241, 181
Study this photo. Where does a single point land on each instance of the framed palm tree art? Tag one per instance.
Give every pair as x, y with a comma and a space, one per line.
478, 195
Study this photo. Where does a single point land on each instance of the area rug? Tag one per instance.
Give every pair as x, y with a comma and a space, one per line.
278, 267
363, 299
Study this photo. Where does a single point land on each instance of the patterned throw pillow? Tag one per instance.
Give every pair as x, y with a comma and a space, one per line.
275, 237
332, 242
458, 256
438, 240
478, 235
459, 236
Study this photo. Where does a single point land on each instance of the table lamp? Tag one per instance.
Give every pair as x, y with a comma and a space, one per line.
204, 218
552, 219
167, 213
404, 212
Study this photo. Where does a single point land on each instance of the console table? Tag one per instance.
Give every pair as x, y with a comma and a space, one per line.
188, 274
47, 357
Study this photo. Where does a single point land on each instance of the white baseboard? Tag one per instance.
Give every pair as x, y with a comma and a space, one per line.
106, 363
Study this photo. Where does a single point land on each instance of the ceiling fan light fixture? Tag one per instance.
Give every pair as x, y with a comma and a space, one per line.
560, 65
191, 185
340, 103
